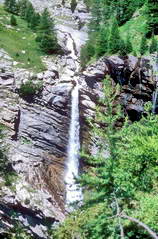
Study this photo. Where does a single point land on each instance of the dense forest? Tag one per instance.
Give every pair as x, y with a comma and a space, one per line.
108, 33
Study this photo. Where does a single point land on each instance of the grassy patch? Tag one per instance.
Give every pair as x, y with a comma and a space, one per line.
20, 42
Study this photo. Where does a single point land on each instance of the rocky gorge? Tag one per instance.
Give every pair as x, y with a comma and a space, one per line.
36, 132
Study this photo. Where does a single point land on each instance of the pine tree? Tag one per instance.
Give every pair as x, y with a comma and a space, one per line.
35, 20
11, 6
128, 43
46, 34
96, 11
48, 43
152, 17
13, 21
143, 45
29, 12
154, 45
6, 4
46, 24
22, 6
102, 42
122, 48
114, 40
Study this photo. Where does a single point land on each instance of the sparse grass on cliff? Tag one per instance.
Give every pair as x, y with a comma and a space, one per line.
19, 42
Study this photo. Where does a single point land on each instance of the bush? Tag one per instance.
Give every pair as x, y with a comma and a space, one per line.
73, 5
29, 89
13, 21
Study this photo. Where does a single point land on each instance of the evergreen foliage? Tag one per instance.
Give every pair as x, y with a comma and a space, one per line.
29, 12
143, 45
13, 21
152, 17
43, 24
102, 42
11, 6
73, 5
154, 45
29, 90
128, 43
46, 34
114, 39
107, 13
22, 7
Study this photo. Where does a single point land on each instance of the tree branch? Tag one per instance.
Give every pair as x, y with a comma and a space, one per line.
122, 235
141, 224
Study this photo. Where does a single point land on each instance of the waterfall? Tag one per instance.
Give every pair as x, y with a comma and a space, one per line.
155, 94
154, 100
73, 191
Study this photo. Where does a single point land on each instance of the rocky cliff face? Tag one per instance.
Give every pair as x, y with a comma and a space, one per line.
37, 131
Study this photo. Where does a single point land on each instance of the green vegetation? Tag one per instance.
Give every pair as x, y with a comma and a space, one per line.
19, 42
143, 45
13, 21
28, 35
121, 182
154, 45
152, 17
29, 89
129, 21
42, 24
46, 34
73, 5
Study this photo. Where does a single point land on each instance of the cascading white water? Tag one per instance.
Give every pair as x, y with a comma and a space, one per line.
155, 94
73, 191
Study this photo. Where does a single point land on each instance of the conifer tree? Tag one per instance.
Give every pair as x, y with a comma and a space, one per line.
102, 42
114, 40
13, 21
22, 6
29, 12
6, 4
96, 11
46, 24
11, 6
143, 45
152, 17
122, 48
128, 43
46, 34
35, 20
154, 45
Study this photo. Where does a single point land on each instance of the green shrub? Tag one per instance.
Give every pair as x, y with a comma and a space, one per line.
29, 89
73, 5
13, 21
